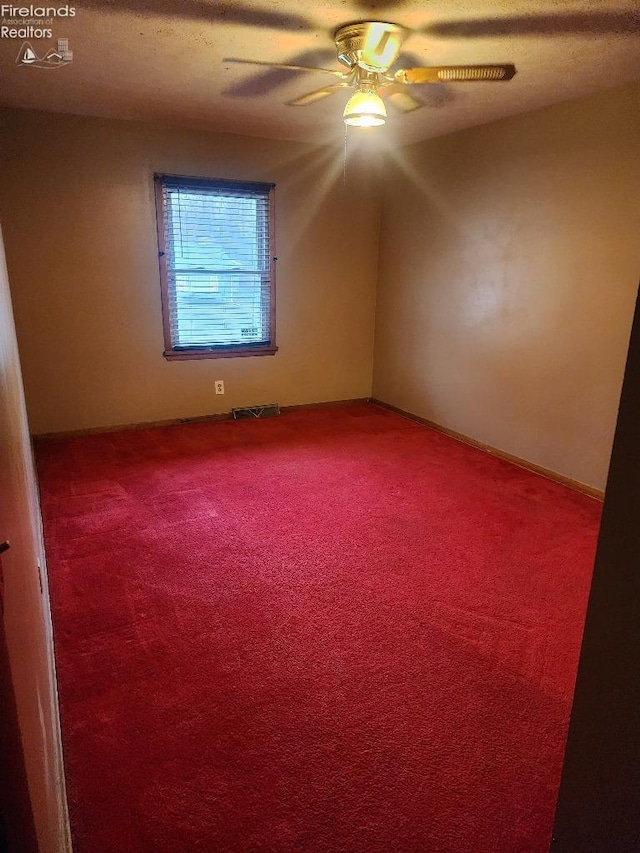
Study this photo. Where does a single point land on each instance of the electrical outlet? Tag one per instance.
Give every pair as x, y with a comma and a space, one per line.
219, 383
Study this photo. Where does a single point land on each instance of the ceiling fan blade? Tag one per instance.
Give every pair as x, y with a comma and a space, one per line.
286, 66
317, 95
456, 74
402, 101
382, 45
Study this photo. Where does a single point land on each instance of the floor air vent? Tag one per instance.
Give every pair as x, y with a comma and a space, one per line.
267, 411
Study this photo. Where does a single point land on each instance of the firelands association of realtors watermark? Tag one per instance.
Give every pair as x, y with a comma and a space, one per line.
30, 23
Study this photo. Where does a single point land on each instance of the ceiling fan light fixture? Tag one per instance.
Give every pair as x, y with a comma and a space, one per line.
365, 108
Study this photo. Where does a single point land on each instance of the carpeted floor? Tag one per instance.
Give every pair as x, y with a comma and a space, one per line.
330, 632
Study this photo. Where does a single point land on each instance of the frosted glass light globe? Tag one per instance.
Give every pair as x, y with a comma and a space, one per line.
365, 108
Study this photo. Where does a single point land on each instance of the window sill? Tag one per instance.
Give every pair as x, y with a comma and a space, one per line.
219, 352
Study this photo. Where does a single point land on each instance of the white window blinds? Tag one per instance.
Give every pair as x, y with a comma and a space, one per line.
215, 245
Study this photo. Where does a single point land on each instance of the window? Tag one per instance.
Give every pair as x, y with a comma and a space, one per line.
215, 242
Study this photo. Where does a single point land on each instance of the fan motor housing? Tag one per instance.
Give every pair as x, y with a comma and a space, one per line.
350, 40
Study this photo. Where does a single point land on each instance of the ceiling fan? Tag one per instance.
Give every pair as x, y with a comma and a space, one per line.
369, 49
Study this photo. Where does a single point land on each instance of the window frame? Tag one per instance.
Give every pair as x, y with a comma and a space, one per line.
214, 350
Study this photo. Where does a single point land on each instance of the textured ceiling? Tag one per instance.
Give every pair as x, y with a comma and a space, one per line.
163, 60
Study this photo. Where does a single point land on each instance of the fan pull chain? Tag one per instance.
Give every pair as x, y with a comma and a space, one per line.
344, 162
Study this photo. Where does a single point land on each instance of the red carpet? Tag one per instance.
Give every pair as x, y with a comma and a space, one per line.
330, 632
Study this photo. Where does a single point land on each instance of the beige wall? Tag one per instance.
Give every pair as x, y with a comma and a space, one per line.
79, 216
509, 263
27, 621
507, 268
